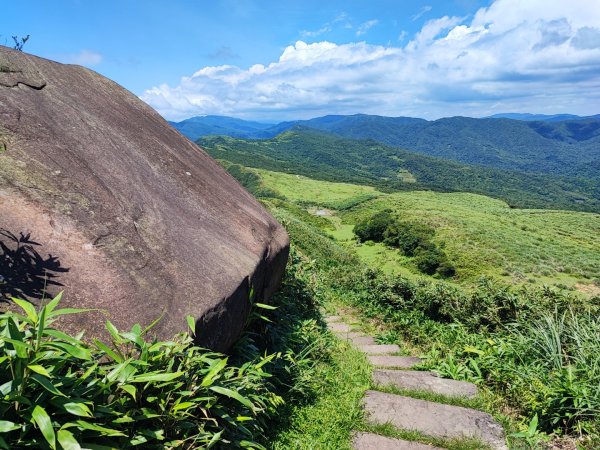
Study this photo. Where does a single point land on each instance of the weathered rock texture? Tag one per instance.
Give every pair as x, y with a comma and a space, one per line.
123, 212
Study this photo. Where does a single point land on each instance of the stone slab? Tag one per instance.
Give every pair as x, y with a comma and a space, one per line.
362, 340
331, 319
394, 362
424, 381
433, 419
370, 441
379, 349
339, 327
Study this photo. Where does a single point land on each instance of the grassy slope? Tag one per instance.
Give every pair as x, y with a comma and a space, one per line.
326, 157
481, 235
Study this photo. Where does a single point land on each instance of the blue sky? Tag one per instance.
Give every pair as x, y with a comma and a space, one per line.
268, 60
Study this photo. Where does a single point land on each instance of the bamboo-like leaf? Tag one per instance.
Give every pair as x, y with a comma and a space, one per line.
78, 409
66, 311
93, 427
6, 426
28, 308
232, 394
53, 303
130, 389
39, 369
40, 327
20, 347
264, 306
110, 352
42, 420
67, 440
191, 323
78, 352
213, 372
113, 332
156, 376
46, 384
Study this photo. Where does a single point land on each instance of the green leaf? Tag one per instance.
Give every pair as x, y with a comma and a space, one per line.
79, 352
103, 430
39, 369
42, 420
28, 308
212, 373
130, 389
183, 405
113, 332
262, 305
6, 426
65, 311
156, 376
40, 328
106, 349
232, 394
20, 347
191, 323
67, 440
533, 425
78, 409
46, 384
53, 303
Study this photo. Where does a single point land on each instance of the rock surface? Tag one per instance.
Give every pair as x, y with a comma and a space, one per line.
433, 419
369, 441
379, 349
424, 381
394, 362
99, 196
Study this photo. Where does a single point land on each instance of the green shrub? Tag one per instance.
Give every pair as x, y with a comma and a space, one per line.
59, 392
373, 228
409, 236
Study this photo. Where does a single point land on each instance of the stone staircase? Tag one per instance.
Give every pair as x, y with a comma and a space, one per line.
437, 420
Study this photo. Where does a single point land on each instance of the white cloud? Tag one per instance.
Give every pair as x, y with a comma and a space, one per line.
366, 26
534, 56
422, 11
83, 58
324, 29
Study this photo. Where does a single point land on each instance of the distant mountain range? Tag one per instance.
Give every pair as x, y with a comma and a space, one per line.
566, 148
541, 117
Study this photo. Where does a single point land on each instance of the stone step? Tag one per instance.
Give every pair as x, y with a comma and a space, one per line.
379, 349
370, 441
339, 327
394, 362
433, 419
424, 381
331, 319
357, 338
362, 340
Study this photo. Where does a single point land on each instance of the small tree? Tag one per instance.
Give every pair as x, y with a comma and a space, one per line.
20, 43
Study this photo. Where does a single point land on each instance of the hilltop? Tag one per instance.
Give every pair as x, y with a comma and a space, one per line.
562, 147
324, 156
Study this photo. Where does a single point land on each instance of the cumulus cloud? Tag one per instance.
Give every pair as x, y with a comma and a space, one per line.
366, 26
534, 56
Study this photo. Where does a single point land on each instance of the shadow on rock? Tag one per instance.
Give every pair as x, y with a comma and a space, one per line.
24, 273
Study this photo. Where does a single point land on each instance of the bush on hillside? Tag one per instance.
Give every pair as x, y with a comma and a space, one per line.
374, 227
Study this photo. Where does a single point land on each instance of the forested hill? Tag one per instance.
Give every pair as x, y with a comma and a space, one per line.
567, 147
324, 156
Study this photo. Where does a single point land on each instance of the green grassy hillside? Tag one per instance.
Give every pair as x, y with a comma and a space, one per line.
326, 157
481, 235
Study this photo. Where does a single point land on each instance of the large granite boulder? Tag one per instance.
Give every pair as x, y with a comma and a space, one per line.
101, 198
